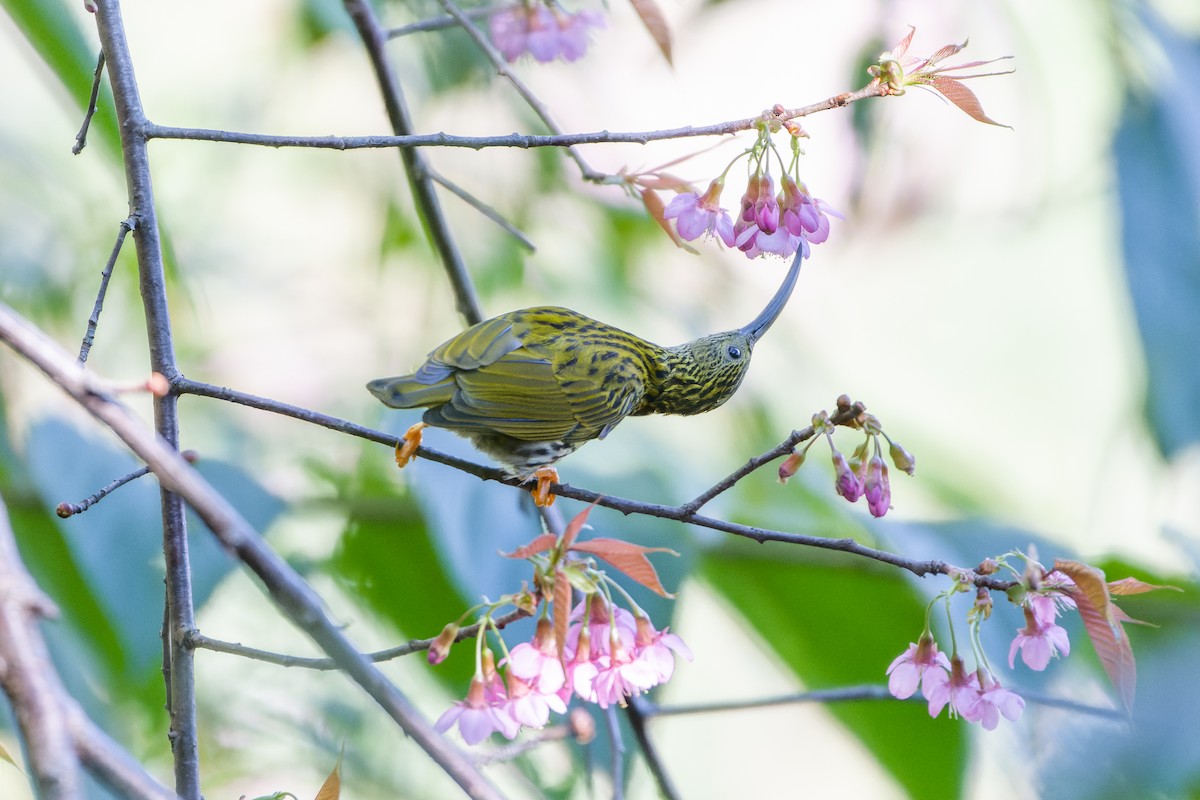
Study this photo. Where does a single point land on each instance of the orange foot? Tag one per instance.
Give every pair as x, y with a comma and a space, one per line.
541, 492
406, 449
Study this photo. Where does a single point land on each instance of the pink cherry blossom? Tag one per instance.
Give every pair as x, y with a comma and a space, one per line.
1040, 640
995, 701
544, 33
479, 715
915, 666
529, 706
657, 649
957, 690
700, 215
537, 662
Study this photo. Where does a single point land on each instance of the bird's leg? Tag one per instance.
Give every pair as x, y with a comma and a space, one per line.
541, 492
406, 449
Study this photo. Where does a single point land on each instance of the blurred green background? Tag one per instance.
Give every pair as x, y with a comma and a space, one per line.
1020, 308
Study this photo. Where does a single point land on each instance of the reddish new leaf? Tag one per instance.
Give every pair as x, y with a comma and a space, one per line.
562, 611
576, 525
1135, 586
539, 545
1102, 622
629, 558
656, 23
958, 93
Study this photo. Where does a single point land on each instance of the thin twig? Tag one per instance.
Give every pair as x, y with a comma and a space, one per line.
89, 336
543, 112
198, 640
635, 712
111, 764
374, 39
81, 137
840, 417
848, 694
292, 595
65, 510
483, 208
517, 140
437, 23
513, 751
179, 615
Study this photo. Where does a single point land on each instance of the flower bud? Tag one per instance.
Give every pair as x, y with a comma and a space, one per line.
583, 727
983, 603
441, 645
878, 490
792, 463
848, 484
904, 460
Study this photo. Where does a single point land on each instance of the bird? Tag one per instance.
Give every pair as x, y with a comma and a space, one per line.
531, 386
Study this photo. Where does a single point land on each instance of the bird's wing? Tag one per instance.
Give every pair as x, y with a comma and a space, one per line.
478, 346
601, 391
516, 395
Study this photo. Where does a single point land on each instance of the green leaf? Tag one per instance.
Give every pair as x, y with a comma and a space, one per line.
837, 624
1158, 172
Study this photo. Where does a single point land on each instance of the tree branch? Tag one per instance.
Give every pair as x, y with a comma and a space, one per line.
518, 140
179, 614
680, 513
292, 595
374, 38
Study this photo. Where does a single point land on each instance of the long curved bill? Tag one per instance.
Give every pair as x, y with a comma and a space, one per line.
759, 325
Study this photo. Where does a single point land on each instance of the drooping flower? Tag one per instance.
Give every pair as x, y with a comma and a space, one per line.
479, 715
537, 662
657, 649
700, 215
957, 690
1041, 639
916, 666
995, 701
530, 705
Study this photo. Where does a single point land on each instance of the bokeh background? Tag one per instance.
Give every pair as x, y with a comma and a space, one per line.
1021, 308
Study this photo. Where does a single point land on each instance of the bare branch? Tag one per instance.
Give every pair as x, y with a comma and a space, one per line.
179, 614
81, 137
518, 140
89, 336
374, 39
197, 640
635, 711
292, 595
28, 678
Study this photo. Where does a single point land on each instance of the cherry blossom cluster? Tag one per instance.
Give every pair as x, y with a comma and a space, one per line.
610, 654
977, 696
864, 474
544, 31
596, 652
779, 223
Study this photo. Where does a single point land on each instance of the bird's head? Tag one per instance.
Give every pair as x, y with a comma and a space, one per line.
712, 367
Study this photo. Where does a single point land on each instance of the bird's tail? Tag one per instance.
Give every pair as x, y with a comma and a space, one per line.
406, 391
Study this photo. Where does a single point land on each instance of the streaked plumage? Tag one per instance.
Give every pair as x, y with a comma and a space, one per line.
531, 386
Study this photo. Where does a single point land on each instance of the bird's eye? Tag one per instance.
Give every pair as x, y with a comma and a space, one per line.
734, 352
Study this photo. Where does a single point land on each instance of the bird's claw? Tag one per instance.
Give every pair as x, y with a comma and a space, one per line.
541, 492
406, 448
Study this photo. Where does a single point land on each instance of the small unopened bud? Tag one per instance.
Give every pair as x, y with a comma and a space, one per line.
848, 484
989, 566
792, 463
904, 460
844, 402
878, 490
158, 385
983, 603
190, 456
441, 645
583, 727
